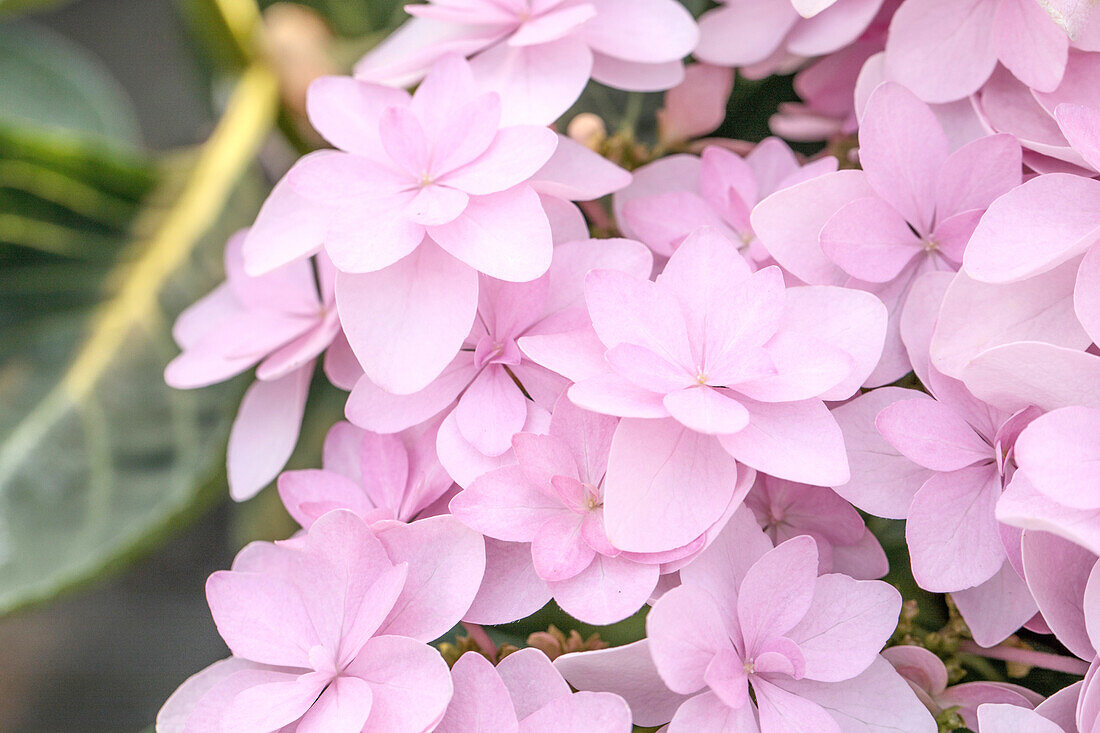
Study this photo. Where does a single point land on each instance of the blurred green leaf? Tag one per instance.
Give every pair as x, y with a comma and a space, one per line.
50, 83
15, 7
97, 454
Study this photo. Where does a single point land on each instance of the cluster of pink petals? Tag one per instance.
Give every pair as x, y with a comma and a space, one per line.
688, 419
540, 54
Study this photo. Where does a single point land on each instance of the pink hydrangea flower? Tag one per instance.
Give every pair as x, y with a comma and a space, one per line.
941, 66
1071, 15
747, 615
525, 694
910, 210
499, 391
673, 196
766, 35
785, 510
539, 54
927, 675
328, 631
709, 363
396, 476
696, 106
552, 498
278, 321
424, 192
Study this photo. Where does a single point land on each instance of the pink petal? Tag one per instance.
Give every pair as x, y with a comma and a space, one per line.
883, 482
663, 220
580, 713
409, 681
610, 394
648, 371
347, 111
665, 485
976, 174
869, 240
446, 564
661, 30
516, 154
577, 355
997, 608
805, 367
407, 322
832, 29
311, 493
573, 260
1057, 574
951, 518
1018, 26
707, 410
798, 441
1081, 126
780, 709
558, 551
435, 205
938, 66
551, 25
481, 703
1022, 505
1061, 455
1035, 228
1016, 375
626, 670
696, 106
743, 32
851, 320
626, 309
845, 614
491, 411
537, 84
609, 590
505, 505
270, 700
932, 435
511, 589
288, 227
372, 408
532, 680
1014, 719
202, 696
634, 76
504, 235
265, 432
777, 592
975, 317
878, 699
901, 148
685, 632
576, 173
788, 223
1086, 294
707, 713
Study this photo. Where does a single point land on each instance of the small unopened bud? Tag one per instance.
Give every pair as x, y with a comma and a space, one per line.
298, 44
588, 129
553, 643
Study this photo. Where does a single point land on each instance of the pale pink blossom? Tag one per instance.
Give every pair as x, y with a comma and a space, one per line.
424, 192
525, 694
696, 106
540, 54
329, 630
767, 35
281, 324
552, 500
709, 363
671, 197
747, 615
911, 209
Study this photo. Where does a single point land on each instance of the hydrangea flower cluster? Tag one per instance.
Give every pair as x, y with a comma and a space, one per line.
681, 386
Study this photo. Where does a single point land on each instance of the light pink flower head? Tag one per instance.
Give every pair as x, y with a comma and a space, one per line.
910, 210
944, 50
747, 615
525, 694
673, 196
711, 361
377, 477
328, 631
553, 499
278, 322
539, 54
768, 35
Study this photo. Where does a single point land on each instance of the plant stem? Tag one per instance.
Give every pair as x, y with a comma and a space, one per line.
1027, 657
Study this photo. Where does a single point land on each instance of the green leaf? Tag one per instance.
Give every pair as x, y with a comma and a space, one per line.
97, 455
50, 83
15, 7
